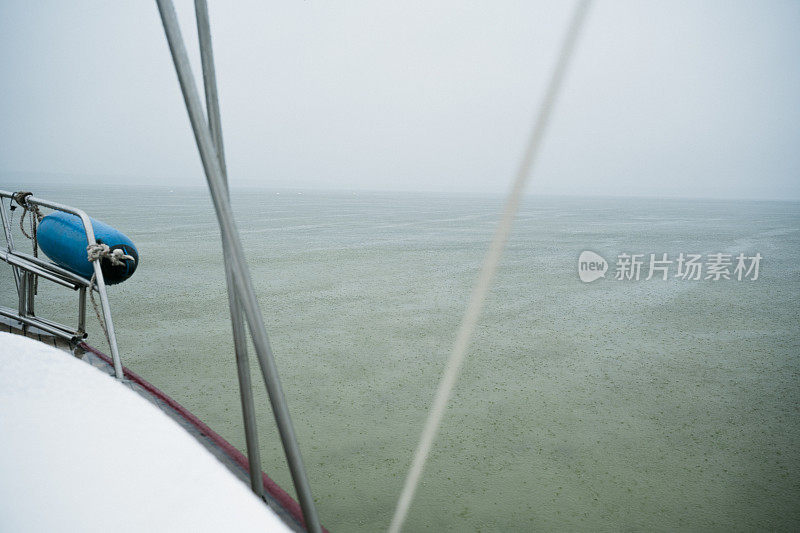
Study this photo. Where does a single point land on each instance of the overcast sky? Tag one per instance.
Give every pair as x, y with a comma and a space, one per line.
667, 98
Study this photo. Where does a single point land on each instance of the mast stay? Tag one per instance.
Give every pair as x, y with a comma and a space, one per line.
242, 297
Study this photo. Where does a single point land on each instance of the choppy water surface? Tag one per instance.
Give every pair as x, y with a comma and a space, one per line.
605, 406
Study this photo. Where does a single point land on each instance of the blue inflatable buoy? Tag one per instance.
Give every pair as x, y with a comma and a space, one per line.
61, 236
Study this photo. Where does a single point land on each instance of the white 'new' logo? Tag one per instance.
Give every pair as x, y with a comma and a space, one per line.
591, 266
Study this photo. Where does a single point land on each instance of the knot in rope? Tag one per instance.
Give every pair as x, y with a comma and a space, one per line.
98, 251
117, 258
21, 198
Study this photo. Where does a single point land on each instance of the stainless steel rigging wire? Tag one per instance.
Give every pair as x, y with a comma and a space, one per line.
237, 322
238, 266
488, 269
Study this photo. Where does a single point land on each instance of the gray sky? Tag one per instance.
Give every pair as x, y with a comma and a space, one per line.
669, 98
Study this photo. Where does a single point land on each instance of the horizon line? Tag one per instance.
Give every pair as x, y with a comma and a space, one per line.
49, 179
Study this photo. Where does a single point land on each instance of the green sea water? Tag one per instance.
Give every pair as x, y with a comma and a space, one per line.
604, 406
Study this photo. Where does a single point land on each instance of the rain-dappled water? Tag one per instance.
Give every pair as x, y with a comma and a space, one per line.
612, 405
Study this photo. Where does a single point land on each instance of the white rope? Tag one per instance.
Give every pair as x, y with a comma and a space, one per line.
99, 251
117, 258
487, 272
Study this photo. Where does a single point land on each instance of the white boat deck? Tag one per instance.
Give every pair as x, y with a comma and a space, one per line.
69, 428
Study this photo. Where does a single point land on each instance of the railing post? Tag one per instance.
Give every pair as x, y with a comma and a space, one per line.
23, 294
31, 286
112, 337
82, 309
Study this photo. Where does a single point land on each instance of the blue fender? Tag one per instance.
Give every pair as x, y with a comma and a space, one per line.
62, 238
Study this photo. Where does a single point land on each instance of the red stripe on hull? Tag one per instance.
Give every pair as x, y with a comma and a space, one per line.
272, 488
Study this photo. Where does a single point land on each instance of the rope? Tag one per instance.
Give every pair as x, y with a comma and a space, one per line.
101, 251
21, 198
117, 257
92, 285
487, 272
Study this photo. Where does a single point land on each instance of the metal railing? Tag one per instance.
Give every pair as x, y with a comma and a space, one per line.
242, 299
27, 268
